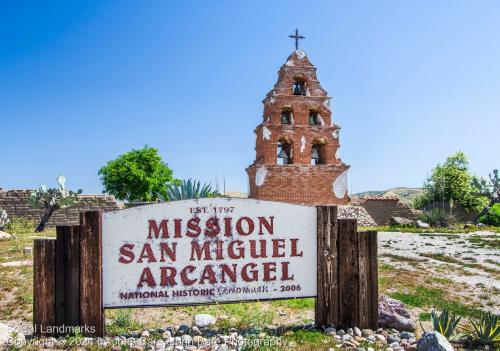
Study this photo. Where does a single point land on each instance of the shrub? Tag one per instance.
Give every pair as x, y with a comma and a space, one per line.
492, 217
189, 189
437, 218
21, 225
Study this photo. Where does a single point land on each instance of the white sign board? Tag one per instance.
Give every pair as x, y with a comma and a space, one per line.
208, 250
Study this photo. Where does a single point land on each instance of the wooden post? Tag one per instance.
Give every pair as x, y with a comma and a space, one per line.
91, 307
348, 279
44, 285
372, 277
68, 275
326, 309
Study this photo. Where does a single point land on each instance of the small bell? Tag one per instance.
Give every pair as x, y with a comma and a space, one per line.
285, 119
282, 154
313, 118
315, 155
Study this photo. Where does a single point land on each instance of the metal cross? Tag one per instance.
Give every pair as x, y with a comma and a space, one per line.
296, 37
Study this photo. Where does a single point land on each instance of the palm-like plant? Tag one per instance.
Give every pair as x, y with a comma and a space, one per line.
485, 330
445, 323
188, 189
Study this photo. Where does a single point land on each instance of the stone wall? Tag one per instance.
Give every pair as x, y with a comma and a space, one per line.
381, 209
15, 202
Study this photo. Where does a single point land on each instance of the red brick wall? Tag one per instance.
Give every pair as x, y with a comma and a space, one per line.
299, 182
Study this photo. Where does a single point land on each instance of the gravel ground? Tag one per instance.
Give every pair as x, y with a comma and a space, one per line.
471, 259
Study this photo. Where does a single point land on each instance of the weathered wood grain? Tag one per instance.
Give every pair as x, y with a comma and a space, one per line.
44, 285
326, 308
91, 304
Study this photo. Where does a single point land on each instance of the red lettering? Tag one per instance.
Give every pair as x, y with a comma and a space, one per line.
278, 244
126, 250
226, 270
154, 229
269, 267
147, 252
177, 225
199, 251
228, 231
269, 226
212, 227
294, 252
168, 276
250, 225
254, 274
146, 277
241, 250
184, 275
284, 271
208, 273
170, 251
194, 229
253, 249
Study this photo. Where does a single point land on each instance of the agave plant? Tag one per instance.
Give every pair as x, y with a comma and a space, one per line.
445, 323
485, 330
188, 189
51, 199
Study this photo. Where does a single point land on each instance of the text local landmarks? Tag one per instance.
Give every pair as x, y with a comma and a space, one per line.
218, 250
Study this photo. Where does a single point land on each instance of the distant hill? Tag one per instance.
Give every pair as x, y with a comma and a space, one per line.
404, 194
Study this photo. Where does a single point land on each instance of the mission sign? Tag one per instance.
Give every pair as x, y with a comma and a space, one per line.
207, 251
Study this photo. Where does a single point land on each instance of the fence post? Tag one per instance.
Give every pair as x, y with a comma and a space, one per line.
68, 275
326, 308
348, 279
91, 306
44, 284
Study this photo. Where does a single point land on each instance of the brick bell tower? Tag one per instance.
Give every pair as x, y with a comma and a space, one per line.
297, 144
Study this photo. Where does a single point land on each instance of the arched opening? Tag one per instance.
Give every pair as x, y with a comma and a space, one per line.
287, 116
318, 152
284, 152
299, 86
313, 118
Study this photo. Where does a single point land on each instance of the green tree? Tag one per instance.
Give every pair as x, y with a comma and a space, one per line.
452, 182
137, 175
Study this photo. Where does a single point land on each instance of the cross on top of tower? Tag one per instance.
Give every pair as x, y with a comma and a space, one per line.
296, 36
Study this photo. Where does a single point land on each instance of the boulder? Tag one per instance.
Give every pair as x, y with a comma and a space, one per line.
421, 224
4, 235
401, 221
203, 320
393, 314
433, 341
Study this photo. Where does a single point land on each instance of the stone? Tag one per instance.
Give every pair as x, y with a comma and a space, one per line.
186, 339
330, 331
400, 221
4, 235
182, 329
166, 334
393, 314
195, 330
433, 341
357, 331
367, 332
145, 334
350, 331
199, 340
406, 335
394, 344
340, 332
204, 320
393, 338
423, 225
7, 334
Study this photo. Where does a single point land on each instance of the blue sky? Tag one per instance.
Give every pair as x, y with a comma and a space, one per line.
82, 82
